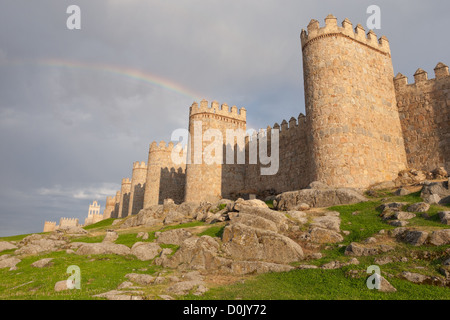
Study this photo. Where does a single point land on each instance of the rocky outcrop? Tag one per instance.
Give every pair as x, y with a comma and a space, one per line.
5, 245
145, 251
419, 207
444, 216
103, 248
111, 236
440, 237
176, 236
195, 253
42, 263
315, 198
436, 192
243, 242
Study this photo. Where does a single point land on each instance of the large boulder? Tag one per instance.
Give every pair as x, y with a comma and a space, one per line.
357, 250
240, 203
145, 251
149, 216
255, 221
419, 207
103, 248
110, 236
316, 198
415, 237
440, 237
327, 222
436, 192
280, 220
445, 217
39, 245
8, 262
176, 236
321, 235
247, 243
5, 245
195, 253
46, 262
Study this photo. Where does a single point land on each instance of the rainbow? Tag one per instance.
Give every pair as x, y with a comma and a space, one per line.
117, 70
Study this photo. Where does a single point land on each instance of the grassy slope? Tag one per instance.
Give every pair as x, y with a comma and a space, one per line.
101, 273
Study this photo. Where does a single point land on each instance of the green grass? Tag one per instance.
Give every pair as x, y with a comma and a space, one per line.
316, 284
270, 204
364, 224
99, 273
215, 231
183, 225
101, 224
17, 238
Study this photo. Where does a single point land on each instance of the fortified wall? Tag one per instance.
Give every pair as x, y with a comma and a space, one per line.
362, 126
424, 108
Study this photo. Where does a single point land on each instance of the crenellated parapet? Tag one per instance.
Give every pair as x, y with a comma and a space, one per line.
126, 181
216, 111
68, 222
331, 29
49, 226
425, 117
139, 165
441, 72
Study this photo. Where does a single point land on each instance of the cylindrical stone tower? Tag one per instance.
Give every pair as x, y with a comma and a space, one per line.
207, 180
138, 178
355, 135
109, 207
124, 198
165, 179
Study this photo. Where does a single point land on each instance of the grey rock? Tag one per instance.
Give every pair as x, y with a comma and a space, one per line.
401, 215
145, 251
103, 248
247, 243
318, 198
434, 191
445, 217
416, 238
175, 236
9, 262
321, 235
398, 223
402, 192
111, 236
42, 263
440, 237
355, 249
255, 221
327, 222
4, 245
141, 279
419, 207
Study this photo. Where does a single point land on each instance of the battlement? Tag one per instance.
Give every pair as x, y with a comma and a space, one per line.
139, 165
293, 123
126, 181
68, 222
110, 200
49, 226
421, 76
51, 223
221, 111
164, 147
331, 28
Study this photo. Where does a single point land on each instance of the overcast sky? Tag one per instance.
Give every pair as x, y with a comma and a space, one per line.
78, 107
